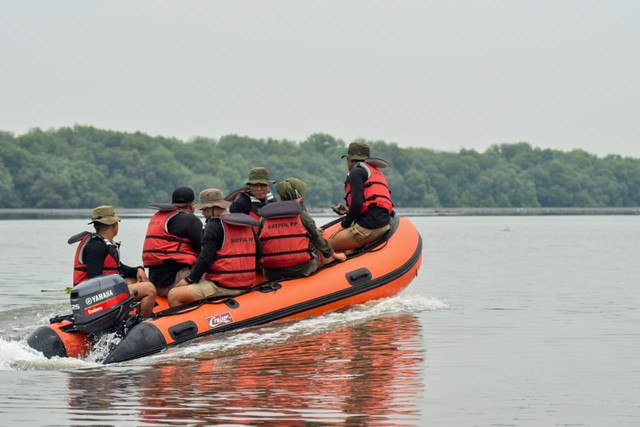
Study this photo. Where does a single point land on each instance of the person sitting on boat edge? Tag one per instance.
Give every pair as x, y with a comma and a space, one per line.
258, 195
97, 254
173, 240
229, 257
369, 207
290, 239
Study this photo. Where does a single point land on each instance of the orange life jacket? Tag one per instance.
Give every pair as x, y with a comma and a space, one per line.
161, 246
285, 240
235, 266
376, 190
80, 268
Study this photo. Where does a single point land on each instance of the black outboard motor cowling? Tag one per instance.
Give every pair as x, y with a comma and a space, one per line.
101, 304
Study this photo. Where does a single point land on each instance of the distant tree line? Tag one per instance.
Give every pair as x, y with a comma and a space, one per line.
82, 167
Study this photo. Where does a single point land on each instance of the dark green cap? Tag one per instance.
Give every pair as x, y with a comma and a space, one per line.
357, 151
259, 176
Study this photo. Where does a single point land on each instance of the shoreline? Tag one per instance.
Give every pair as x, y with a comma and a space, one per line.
518, 211
33, 213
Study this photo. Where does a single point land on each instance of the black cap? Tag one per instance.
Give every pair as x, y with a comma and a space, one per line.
183, 195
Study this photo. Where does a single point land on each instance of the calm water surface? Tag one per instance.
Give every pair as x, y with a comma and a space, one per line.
512, 321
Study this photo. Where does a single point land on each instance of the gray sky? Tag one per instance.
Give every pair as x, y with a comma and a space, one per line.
438, 74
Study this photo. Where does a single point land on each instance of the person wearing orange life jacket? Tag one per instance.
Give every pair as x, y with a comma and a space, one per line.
80, 269
258, 195
173, 240
369, 207
292, 243
98, 254
229, 257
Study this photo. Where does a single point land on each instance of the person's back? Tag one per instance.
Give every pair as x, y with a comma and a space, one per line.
368, 197
173, 240
234, 266
286, 243
292, 243
230, 252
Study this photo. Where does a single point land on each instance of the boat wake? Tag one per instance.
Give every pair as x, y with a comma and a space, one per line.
16, 355
280, 332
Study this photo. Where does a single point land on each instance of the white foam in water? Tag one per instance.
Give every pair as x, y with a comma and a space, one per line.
405, 303
103, 347
18, 356
274, 334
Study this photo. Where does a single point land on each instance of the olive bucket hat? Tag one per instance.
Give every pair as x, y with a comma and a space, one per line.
104, 215
357, 151
212, 197
259, 176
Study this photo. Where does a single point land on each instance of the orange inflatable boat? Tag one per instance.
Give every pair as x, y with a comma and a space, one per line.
380, 270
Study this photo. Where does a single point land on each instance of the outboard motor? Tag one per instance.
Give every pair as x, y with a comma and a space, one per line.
101, 305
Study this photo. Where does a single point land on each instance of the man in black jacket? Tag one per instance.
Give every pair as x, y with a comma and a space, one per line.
230, 253
99, 254
256, 196
369, 208
173, 241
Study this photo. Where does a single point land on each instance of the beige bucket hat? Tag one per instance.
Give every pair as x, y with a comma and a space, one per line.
105, 215
212, 197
